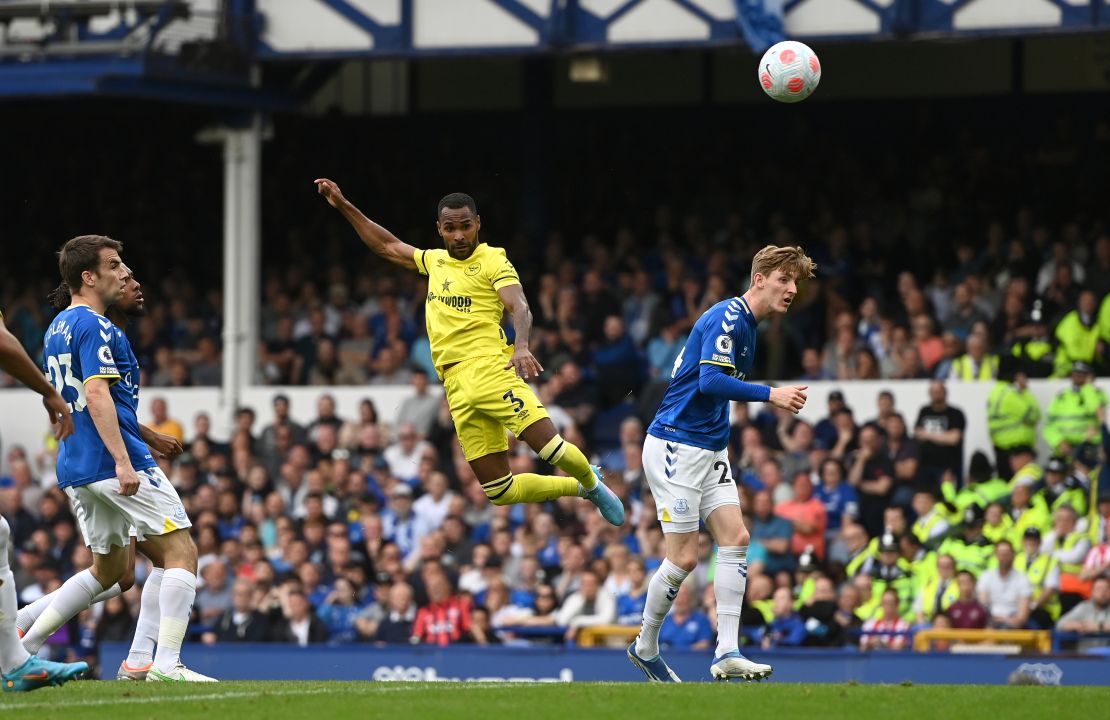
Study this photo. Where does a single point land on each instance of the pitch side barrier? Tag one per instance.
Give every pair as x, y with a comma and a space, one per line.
508, 664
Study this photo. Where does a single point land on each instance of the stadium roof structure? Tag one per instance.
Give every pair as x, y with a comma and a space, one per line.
208, 51
187, 51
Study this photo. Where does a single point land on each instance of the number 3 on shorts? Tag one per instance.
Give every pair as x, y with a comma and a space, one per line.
518, 404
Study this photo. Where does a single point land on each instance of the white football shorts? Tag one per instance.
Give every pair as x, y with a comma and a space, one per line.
107, 518
687, 482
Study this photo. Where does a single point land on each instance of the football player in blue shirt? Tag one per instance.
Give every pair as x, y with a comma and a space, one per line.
686, 459
106, 468
22, 671
139, 659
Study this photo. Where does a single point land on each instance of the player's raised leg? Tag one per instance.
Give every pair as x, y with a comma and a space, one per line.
726, 525
546, 441
486, 399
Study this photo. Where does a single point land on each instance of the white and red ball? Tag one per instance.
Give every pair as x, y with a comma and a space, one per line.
789, 71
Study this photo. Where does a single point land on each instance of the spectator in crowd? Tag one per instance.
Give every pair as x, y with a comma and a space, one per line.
340, 611
421, 408
773, 533
686, 628
786, 629
396, 626
888, 620
160, 420
242, 622
841, 501
940, 430
807, 515
404, 455
445, 620
630, 604
1090, 616
214, 596
967, 613
299, 624
872, 474
587, 607
1005, 591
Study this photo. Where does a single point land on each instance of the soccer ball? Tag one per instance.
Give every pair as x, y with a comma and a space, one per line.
789, 71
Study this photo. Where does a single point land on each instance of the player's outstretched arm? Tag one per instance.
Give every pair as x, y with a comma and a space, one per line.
525, 364
384, 243
165, 445
713, 380
15, 361
102, 410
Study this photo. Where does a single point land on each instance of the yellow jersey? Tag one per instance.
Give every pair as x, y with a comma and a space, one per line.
463, 309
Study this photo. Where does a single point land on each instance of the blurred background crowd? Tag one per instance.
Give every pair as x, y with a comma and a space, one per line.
373, 529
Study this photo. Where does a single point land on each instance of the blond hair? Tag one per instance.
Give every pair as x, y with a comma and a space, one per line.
791, 259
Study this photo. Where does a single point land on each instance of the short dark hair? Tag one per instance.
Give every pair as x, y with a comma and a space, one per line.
456, 201
83, 253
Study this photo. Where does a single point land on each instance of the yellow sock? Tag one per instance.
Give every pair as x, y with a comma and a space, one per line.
568, 458
529, 488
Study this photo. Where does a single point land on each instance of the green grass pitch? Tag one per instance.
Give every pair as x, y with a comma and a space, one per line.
574, 701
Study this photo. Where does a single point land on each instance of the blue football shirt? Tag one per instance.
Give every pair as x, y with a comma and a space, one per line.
725, 336
81, 345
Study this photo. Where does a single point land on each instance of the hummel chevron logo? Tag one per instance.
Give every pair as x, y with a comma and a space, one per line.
670, 460
671, 448
107, 337
669, 472
731, 316
104, 323
672, 593
726, 327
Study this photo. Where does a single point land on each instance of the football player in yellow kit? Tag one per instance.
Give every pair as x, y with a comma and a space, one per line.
470, 284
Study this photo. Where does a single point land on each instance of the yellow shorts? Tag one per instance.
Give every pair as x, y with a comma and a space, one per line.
486, 400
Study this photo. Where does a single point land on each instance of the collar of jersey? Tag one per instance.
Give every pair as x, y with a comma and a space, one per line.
748, 314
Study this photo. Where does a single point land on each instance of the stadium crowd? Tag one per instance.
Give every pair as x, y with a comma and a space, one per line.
353, 530
361, 530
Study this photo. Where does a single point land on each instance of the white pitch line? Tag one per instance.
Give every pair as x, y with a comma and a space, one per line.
83, 702
369, 688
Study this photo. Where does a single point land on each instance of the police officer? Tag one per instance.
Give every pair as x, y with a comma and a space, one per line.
1012, 414
976, 364
982, 488
1077, 413
1043, 572
1078, 335
971, 549
892, 572
1062, 487
1069, 545
1034, 348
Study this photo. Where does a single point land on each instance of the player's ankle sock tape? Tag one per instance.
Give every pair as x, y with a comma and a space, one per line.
529, 488
568, 458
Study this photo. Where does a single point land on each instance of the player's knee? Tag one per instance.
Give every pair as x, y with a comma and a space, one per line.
499, 491
686, 559
743, 538
127, 580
